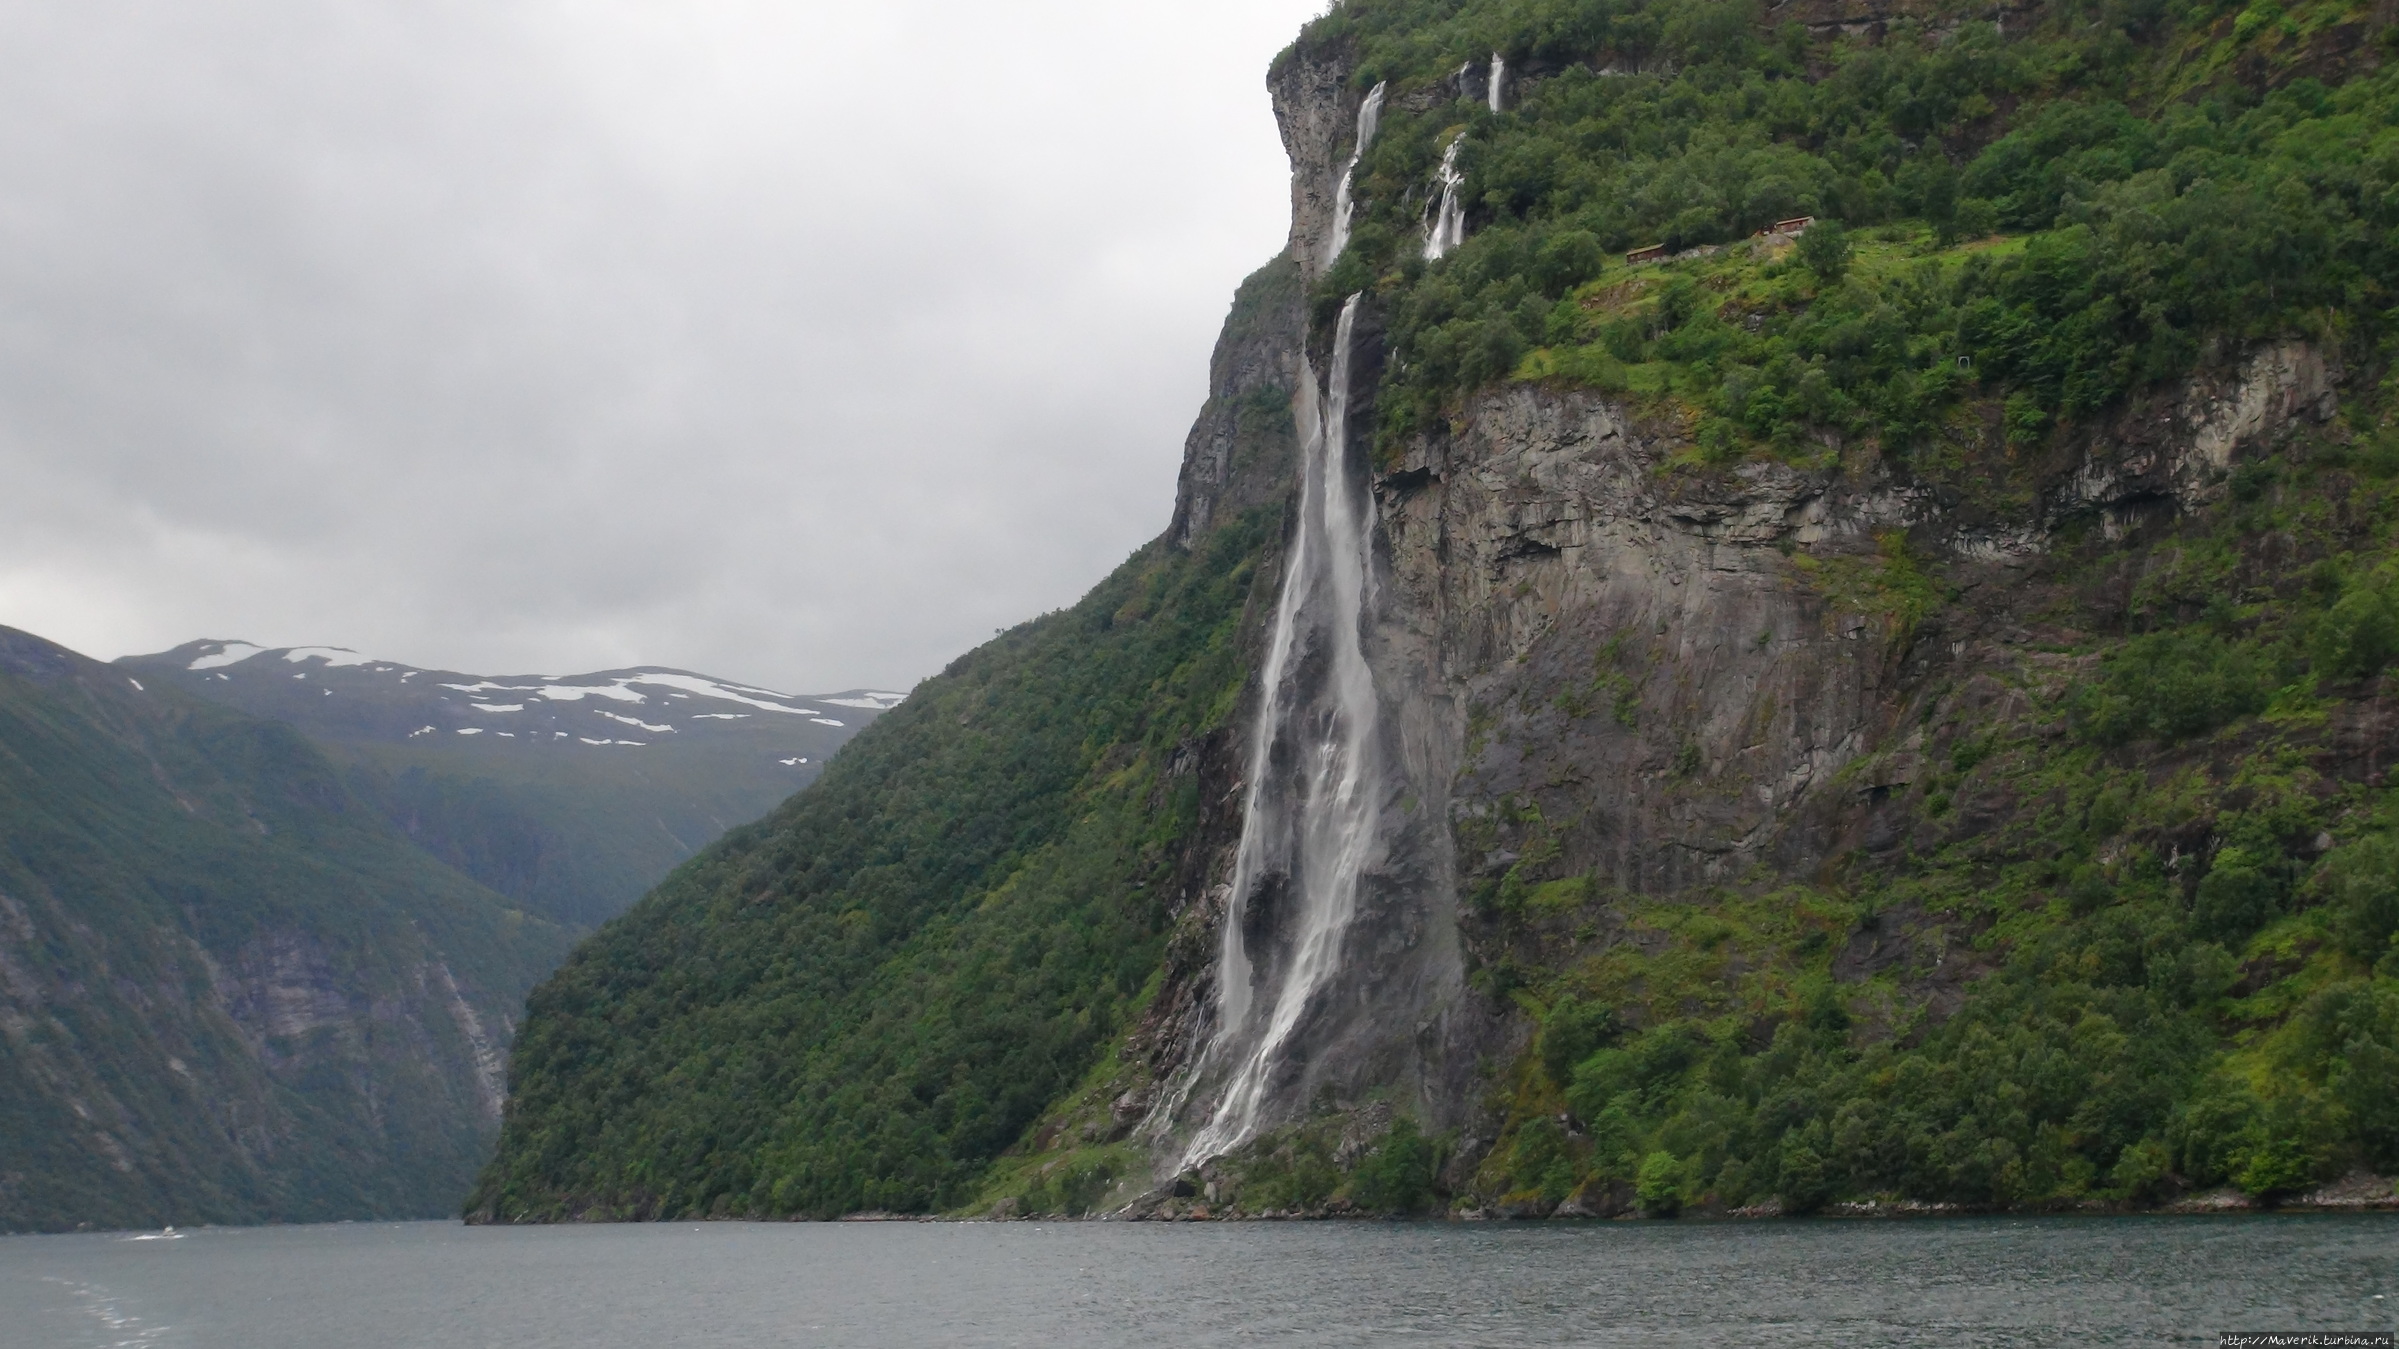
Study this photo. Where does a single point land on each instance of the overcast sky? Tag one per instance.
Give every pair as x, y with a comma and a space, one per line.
801, 343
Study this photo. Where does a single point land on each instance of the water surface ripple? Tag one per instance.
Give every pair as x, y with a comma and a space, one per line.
1964, 1282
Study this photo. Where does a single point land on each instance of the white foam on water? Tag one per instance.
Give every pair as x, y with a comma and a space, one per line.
123, 1329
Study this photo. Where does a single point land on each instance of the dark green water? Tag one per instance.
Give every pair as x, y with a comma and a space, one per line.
1965, 1282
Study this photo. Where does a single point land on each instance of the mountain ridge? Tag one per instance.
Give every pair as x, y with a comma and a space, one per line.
229, 990
572, 793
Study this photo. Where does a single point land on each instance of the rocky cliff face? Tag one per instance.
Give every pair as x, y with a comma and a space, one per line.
1608, 668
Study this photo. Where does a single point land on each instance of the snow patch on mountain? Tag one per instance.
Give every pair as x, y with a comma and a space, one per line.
226, 653
331, 655
871, 699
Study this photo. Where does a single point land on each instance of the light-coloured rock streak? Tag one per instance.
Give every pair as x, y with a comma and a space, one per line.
1310, 808
1370, 115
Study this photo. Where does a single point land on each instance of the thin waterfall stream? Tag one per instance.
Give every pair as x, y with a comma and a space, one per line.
1310, 806
1310, 810
1370, 115
1448, 229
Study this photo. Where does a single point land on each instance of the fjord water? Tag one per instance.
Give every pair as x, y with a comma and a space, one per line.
1965, 1282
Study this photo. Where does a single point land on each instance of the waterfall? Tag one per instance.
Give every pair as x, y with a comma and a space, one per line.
1308, 820
1449, 226
1499, 73
1370, 115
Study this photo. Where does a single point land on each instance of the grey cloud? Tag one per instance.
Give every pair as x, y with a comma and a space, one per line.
799, 343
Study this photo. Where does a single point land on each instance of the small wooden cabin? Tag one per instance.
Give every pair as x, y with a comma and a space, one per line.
1653, 253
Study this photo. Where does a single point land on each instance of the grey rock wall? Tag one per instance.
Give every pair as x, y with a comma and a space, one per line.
1603, 662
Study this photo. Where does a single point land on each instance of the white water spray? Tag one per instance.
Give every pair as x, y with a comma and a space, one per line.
1370, 115
1308, 819
1448, 229
1499, 73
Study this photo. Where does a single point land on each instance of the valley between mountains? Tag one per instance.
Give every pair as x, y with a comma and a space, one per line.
570, 794
265, 938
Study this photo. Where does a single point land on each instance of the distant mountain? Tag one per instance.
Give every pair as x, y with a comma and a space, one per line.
230, 989
572, 794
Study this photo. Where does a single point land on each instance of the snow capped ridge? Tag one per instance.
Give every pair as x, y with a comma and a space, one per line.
352, 696
625, 685
621, 686
222, 653
873, 700
210, 654
330, 655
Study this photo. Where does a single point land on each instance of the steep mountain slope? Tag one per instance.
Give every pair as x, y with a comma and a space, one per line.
571, 794
1877, 697
229, 990
861, 1000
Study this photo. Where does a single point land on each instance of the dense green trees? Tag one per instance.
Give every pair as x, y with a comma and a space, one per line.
860, 1001
2089, 1067
2139, 236
2173, 926
2018, 230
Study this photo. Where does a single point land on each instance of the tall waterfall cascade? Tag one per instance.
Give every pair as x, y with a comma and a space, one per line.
1499, 75
1370, 116
1448, 229
1308, 822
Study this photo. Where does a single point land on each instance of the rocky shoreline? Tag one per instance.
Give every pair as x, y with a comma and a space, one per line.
2357, 1192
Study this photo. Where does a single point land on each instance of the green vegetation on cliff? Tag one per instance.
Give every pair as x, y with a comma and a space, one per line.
862, 1000
2114, 912
2153, 206
2166, 877
2137, 933
2169, 887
